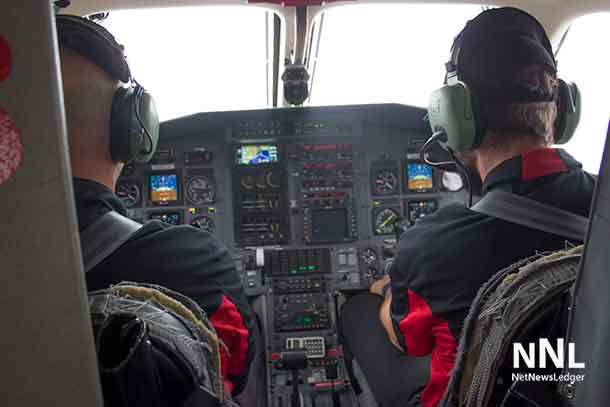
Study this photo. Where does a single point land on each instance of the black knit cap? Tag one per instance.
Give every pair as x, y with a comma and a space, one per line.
497, 43
94, 42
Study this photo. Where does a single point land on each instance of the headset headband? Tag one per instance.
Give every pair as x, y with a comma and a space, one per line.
496, 49
95, 43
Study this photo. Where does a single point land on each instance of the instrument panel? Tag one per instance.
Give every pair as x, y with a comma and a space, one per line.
310, 202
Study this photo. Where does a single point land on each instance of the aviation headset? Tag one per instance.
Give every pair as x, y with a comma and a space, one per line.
456, 111
134, 123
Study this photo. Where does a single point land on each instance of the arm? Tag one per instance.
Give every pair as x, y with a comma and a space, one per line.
230, 314
196, 264
208, 275
232, 331
386, 320
382, 288
405, 316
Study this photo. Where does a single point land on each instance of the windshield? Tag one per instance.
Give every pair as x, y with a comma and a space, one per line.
385, 53
196, 59
587, 65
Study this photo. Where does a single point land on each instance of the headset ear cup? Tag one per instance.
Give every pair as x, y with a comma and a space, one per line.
120, 119
134, 125
568, 111
450, 110
148, 125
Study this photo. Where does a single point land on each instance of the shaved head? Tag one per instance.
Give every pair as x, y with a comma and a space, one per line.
88, 93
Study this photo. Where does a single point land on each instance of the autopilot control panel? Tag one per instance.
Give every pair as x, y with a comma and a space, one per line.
310, 202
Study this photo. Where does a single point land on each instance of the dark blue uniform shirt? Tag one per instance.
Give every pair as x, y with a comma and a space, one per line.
444, 259
182, 258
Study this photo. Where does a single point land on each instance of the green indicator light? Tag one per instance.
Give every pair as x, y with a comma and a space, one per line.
303, 319
312, 267
293, 271
302, 268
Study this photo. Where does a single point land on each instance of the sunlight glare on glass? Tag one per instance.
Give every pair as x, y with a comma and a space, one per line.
583, 59
386, 53
196, 59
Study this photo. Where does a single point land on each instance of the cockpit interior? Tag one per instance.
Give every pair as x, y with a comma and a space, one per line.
291, 131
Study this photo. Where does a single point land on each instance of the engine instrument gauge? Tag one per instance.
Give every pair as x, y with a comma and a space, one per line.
204, 222
368, 256
452, 181
129, 193
248, 182
272, 179
385, 182
200, 190
384, 221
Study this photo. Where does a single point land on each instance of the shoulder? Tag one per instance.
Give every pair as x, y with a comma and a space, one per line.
182, 258
432, 249
181, 237
451, 218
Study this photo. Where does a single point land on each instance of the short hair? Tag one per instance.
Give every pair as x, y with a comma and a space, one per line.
88, 94
534, 120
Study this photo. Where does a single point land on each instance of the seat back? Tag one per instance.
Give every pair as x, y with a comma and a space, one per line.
589, 322
522, 303
156, 348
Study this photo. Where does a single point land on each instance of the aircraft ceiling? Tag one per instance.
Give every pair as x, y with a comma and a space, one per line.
554, 14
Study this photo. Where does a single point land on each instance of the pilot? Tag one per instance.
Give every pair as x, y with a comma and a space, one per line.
182, 258
506, 59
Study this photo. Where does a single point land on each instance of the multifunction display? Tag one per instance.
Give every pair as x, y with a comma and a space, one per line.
256, 154
327, 181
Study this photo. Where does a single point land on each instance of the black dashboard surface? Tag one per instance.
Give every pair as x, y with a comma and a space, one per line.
309, 201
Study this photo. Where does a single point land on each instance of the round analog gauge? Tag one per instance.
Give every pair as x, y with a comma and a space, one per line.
200, 190
385, 220
386, 182
129, 193
452, 181
368, 256
272, 180
248, 182
204, 222
261, 181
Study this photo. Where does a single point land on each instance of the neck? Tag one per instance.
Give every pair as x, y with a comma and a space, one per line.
489, 157
104, 173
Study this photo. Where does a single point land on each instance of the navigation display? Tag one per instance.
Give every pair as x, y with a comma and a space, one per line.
163, 188
329, 225
420, 177
256, 154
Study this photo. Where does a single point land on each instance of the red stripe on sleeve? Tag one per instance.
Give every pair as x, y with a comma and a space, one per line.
416, 327
541, 162
427, 333
443, 360
231, 329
